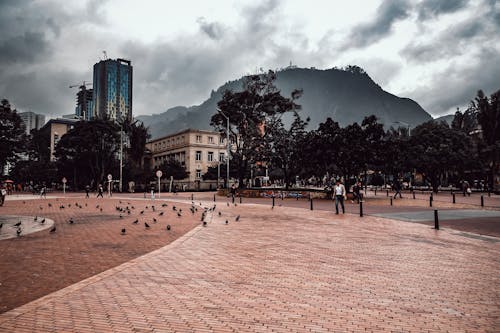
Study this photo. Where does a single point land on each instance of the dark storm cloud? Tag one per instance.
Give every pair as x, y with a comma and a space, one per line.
25, 48
389, 12
213, 30
457, 85
433, 8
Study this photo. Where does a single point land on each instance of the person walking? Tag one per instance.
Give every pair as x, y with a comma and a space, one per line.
100, 191
87, 191
340, 194
397, 188
356, 191
43, 192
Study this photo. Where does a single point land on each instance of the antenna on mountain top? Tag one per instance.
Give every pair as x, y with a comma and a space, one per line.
105, 55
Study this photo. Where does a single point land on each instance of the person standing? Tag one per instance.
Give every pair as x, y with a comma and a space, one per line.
87, 191
100, 191
340, 194
43, 192
356, 191
397, 188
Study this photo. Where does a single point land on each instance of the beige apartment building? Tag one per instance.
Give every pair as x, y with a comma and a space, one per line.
195, 149
54, 129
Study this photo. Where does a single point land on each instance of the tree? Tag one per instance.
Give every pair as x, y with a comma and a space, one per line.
253, 114
12, 134
88, 152
488, 115
137, 135
466, 121
173, 168
285, 148
435, 149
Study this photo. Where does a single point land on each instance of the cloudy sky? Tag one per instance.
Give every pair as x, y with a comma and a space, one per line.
437, 52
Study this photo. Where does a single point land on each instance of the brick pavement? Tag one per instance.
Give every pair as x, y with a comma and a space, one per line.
34, 265
286, 270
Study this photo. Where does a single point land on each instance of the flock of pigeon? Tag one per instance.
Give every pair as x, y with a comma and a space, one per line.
126, 209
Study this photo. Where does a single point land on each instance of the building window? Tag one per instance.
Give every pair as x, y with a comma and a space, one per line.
198, 156
210, 139
198, 173
198, 138
221, 140
210, 156
221, 157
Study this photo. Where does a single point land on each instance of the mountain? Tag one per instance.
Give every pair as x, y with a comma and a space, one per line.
346, 95
447, 119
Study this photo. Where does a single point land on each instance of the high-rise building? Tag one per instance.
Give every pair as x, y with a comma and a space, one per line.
32, 120
84, 104
113, 89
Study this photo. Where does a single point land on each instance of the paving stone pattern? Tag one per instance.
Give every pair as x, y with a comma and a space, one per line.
286, 270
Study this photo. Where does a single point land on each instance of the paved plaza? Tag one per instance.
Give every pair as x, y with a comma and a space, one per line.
281, 269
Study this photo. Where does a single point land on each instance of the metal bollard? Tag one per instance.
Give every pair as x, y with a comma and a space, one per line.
311, 204
430, 200
413, 194
214, 197
482, 200
391, 201
273, 201
454, 198
436, 220
232, 196
240, 198
361, 208
192, 196
375, 191
387, 192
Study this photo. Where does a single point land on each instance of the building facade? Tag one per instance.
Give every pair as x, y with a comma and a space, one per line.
195, 149
112, 89
84, 104
55, 129
32, 120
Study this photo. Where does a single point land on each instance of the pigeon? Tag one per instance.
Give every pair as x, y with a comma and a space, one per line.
71, 221
142, 212
85, 204
49, 204
164, 205
123, 231
179, 214
220, 214
17, 224
174, 208
147, 207
154, 209
53, 229
168, 226
204, 223
235, 204
131, 207
41, 207
227, 221
36, 218
121, 216
128, 212
161, 214
180, 210
18, 231
154, 220
237, 218
24, 202
136, 221
146, 225
69, 205
42, 221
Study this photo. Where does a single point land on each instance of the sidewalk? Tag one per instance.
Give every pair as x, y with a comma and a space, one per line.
286, 270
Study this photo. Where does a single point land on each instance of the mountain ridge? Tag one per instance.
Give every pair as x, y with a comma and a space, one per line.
346, 95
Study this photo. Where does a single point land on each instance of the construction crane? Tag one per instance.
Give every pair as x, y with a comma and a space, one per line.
82, 85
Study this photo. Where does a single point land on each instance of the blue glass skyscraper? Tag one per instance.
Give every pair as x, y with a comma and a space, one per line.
113, 89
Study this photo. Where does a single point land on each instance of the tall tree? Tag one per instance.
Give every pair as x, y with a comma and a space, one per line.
253, 114
435, 149
285, 148
173, 168
12, 134
88, 152
488, 115
465, 121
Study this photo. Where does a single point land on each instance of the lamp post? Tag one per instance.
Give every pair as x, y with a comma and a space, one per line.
228, 146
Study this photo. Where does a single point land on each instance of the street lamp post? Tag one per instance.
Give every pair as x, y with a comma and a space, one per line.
228, 146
